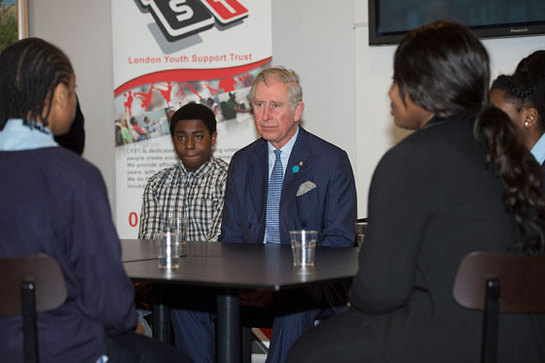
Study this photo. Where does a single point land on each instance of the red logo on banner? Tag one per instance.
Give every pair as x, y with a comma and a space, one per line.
226, 11
178, 19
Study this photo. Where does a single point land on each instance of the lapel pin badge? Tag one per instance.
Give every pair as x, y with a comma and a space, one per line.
296, 168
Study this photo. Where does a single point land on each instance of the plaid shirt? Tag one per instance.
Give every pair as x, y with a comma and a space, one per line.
198, 196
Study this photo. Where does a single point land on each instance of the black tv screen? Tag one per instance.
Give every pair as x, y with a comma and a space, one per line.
389, 20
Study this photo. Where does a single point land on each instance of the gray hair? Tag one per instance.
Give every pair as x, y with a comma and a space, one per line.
285, 76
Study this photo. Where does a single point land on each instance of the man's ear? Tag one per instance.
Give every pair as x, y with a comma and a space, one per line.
213, 137
298, 113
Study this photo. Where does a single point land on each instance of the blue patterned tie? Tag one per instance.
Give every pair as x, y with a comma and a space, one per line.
273, 200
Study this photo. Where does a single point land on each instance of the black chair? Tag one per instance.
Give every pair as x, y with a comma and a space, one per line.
499, 283
30, 284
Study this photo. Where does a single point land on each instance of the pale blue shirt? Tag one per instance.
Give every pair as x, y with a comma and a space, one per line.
284, 157
539, 150
15, 136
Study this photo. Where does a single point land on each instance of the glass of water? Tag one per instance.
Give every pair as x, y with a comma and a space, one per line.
303, 245
168, 250
178, 228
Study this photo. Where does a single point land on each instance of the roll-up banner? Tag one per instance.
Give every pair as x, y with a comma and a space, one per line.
167, 53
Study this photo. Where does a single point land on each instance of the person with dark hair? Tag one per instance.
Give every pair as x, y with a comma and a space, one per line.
213, 105
522, 96
118, 135
138, 133
194, 189
55, 203
462, 182
125, 132
231, 107
149, 126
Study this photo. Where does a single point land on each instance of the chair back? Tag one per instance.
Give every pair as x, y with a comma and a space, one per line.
499, 283
30, 284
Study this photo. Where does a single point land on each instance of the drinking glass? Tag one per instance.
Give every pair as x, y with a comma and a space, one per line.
303, 245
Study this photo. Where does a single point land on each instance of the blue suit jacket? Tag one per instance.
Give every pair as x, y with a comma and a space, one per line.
330, 208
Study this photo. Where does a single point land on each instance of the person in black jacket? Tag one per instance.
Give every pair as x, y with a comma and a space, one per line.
463, 181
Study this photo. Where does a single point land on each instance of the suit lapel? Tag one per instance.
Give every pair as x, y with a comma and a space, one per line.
257, 179
297, 165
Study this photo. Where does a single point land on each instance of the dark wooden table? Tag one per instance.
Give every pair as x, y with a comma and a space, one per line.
230, 266
137, 250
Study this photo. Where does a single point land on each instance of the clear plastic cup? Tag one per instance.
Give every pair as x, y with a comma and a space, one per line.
303, 245
168, 250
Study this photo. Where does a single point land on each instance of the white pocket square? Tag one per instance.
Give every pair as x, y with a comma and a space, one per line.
305, 188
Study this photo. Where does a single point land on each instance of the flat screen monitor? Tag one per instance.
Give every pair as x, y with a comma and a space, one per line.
390, 20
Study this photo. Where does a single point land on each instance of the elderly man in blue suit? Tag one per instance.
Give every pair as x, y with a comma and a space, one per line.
289, 179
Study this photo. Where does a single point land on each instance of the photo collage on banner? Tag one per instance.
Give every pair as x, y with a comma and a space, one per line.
168, 53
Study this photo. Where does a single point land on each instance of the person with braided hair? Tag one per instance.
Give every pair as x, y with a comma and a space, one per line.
522, 96
54, 202
462, 182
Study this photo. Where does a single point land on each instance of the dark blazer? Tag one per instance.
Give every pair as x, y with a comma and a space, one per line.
432, 201
329, 208
62, 202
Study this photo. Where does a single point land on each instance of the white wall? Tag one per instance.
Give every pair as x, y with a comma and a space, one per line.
83, 30
345, 82
316, 39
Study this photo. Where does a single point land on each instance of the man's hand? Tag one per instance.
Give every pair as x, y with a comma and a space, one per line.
257, 297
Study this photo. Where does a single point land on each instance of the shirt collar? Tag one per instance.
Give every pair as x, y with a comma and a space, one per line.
286, 149
201, 170
19, 135
286, 152
538, 150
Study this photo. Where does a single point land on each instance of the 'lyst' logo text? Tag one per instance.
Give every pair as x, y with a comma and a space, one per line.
182, 18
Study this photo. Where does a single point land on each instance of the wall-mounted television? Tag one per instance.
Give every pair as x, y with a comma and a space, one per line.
390, 20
